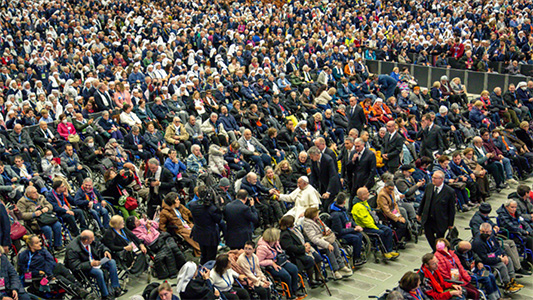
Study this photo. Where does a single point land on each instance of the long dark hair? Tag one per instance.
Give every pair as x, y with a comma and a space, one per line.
221, 263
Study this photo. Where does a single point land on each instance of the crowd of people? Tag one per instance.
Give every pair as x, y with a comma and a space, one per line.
135, 132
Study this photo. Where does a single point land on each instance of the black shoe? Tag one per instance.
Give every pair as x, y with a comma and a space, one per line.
108, 297
518, 276
523, 271
358, 262
300, 293
314, 284
401, 245
59, 249
119, 292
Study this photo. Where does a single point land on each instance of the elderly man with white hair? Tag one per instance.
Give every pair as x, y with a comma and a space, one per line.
304, 197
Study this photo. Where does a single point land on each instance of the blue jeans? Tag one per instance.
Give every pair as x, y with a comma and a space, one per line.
385, 233
56, 230
354, 239
288, 274
111, 267
97, 211
508, 168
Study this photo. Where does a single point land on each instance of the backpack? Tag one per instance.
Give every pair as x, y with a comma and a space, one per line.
150, 291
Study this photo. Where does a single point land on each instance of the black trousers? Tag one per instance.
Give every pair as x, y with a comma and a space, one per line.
208, 253
432, 232
401, 229
241, 294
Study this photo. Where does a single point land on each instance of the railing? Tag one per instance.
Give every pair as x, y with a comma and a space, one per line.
475, 82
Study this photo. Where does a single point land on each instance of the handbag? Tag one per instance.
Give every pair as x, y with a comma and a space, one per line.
127, 201
458, 185
74, 138
330, 238
281, 259
17, 231
47, 218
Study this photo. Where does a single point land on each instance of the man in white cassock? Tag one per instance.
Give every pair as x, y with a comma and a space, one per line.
304, 196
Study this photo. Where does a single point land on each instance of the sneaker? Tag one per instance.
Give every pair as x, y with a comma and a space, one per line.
512, 181
345, 271
516, 284
337, 275
465, 208
358, 262
511, 289
387, 255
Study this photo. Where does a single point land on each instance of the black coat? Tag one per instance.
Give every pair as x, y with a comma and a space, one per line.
392, 147
357, 119
325, 178
77, 258
240, 222
432, 140
362, 171
116, 242
438, 209
166, 179
129, 142
293, 247
206, 219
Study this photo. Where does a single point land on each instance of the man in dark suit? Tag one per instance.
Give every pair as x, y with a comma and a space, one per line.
102, 99
160, 181
241, 217
392, 147
324, 176
432, 137
134, 142
356, 115
361, 166
48, 139
437, 208
21, 141
320, 143
84, 254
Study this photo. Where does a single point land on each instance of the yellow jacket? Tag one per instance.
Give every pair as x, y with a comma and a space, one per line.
362, 217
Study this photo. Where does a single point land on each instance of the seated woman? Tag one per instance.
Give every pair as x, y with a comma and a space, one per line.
272, 257
223, 277
159, 243
193, 283
38, 262
164, 292
176, 218
13, 288
299, 251
249, 263
320, 235
124, 244
287, 177
116, 183
409, 288
450, 267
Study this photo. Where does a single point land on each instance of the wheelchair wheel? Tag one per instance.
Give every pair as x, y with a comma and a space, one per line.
40, 150
98, 180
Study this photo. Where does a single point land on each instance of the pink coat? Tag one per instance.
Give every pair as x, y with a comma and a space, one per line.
142, 233
65, 130
267, 253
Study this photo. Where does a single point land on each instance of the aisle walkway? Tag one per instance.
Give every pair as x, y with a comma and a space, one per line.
373, 279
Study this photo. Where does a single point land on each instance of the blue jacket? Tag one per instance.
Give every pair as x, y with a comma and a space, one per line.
81, 199
58, 209
339, 218
160, 111
254, 190
41, 260
175, 168
11, 278
488, 251
132, 79
476, 117
477, 220
229, 122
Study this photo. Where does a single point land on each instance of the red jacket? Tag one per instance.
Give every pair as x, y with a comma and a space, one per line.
433, 284
448, 261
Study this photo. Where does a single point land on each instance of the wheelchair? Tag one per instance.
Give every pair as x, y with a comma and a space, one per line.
280, 289
524, 252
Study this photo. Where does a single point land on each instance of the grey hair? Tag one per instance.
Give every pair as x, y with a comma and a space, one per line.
194, 146
349, 139
153, 161
313, 151
135, 128
87, 180
485, 226
359, 140
440, 173
509, 202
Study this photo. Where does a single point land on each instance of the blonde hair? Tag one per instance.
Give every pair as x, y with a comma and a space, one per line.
271, 235
278, 171
115, 220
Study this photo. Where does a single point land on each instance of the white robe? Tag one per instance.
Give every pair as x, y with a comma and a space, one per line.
303, 199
